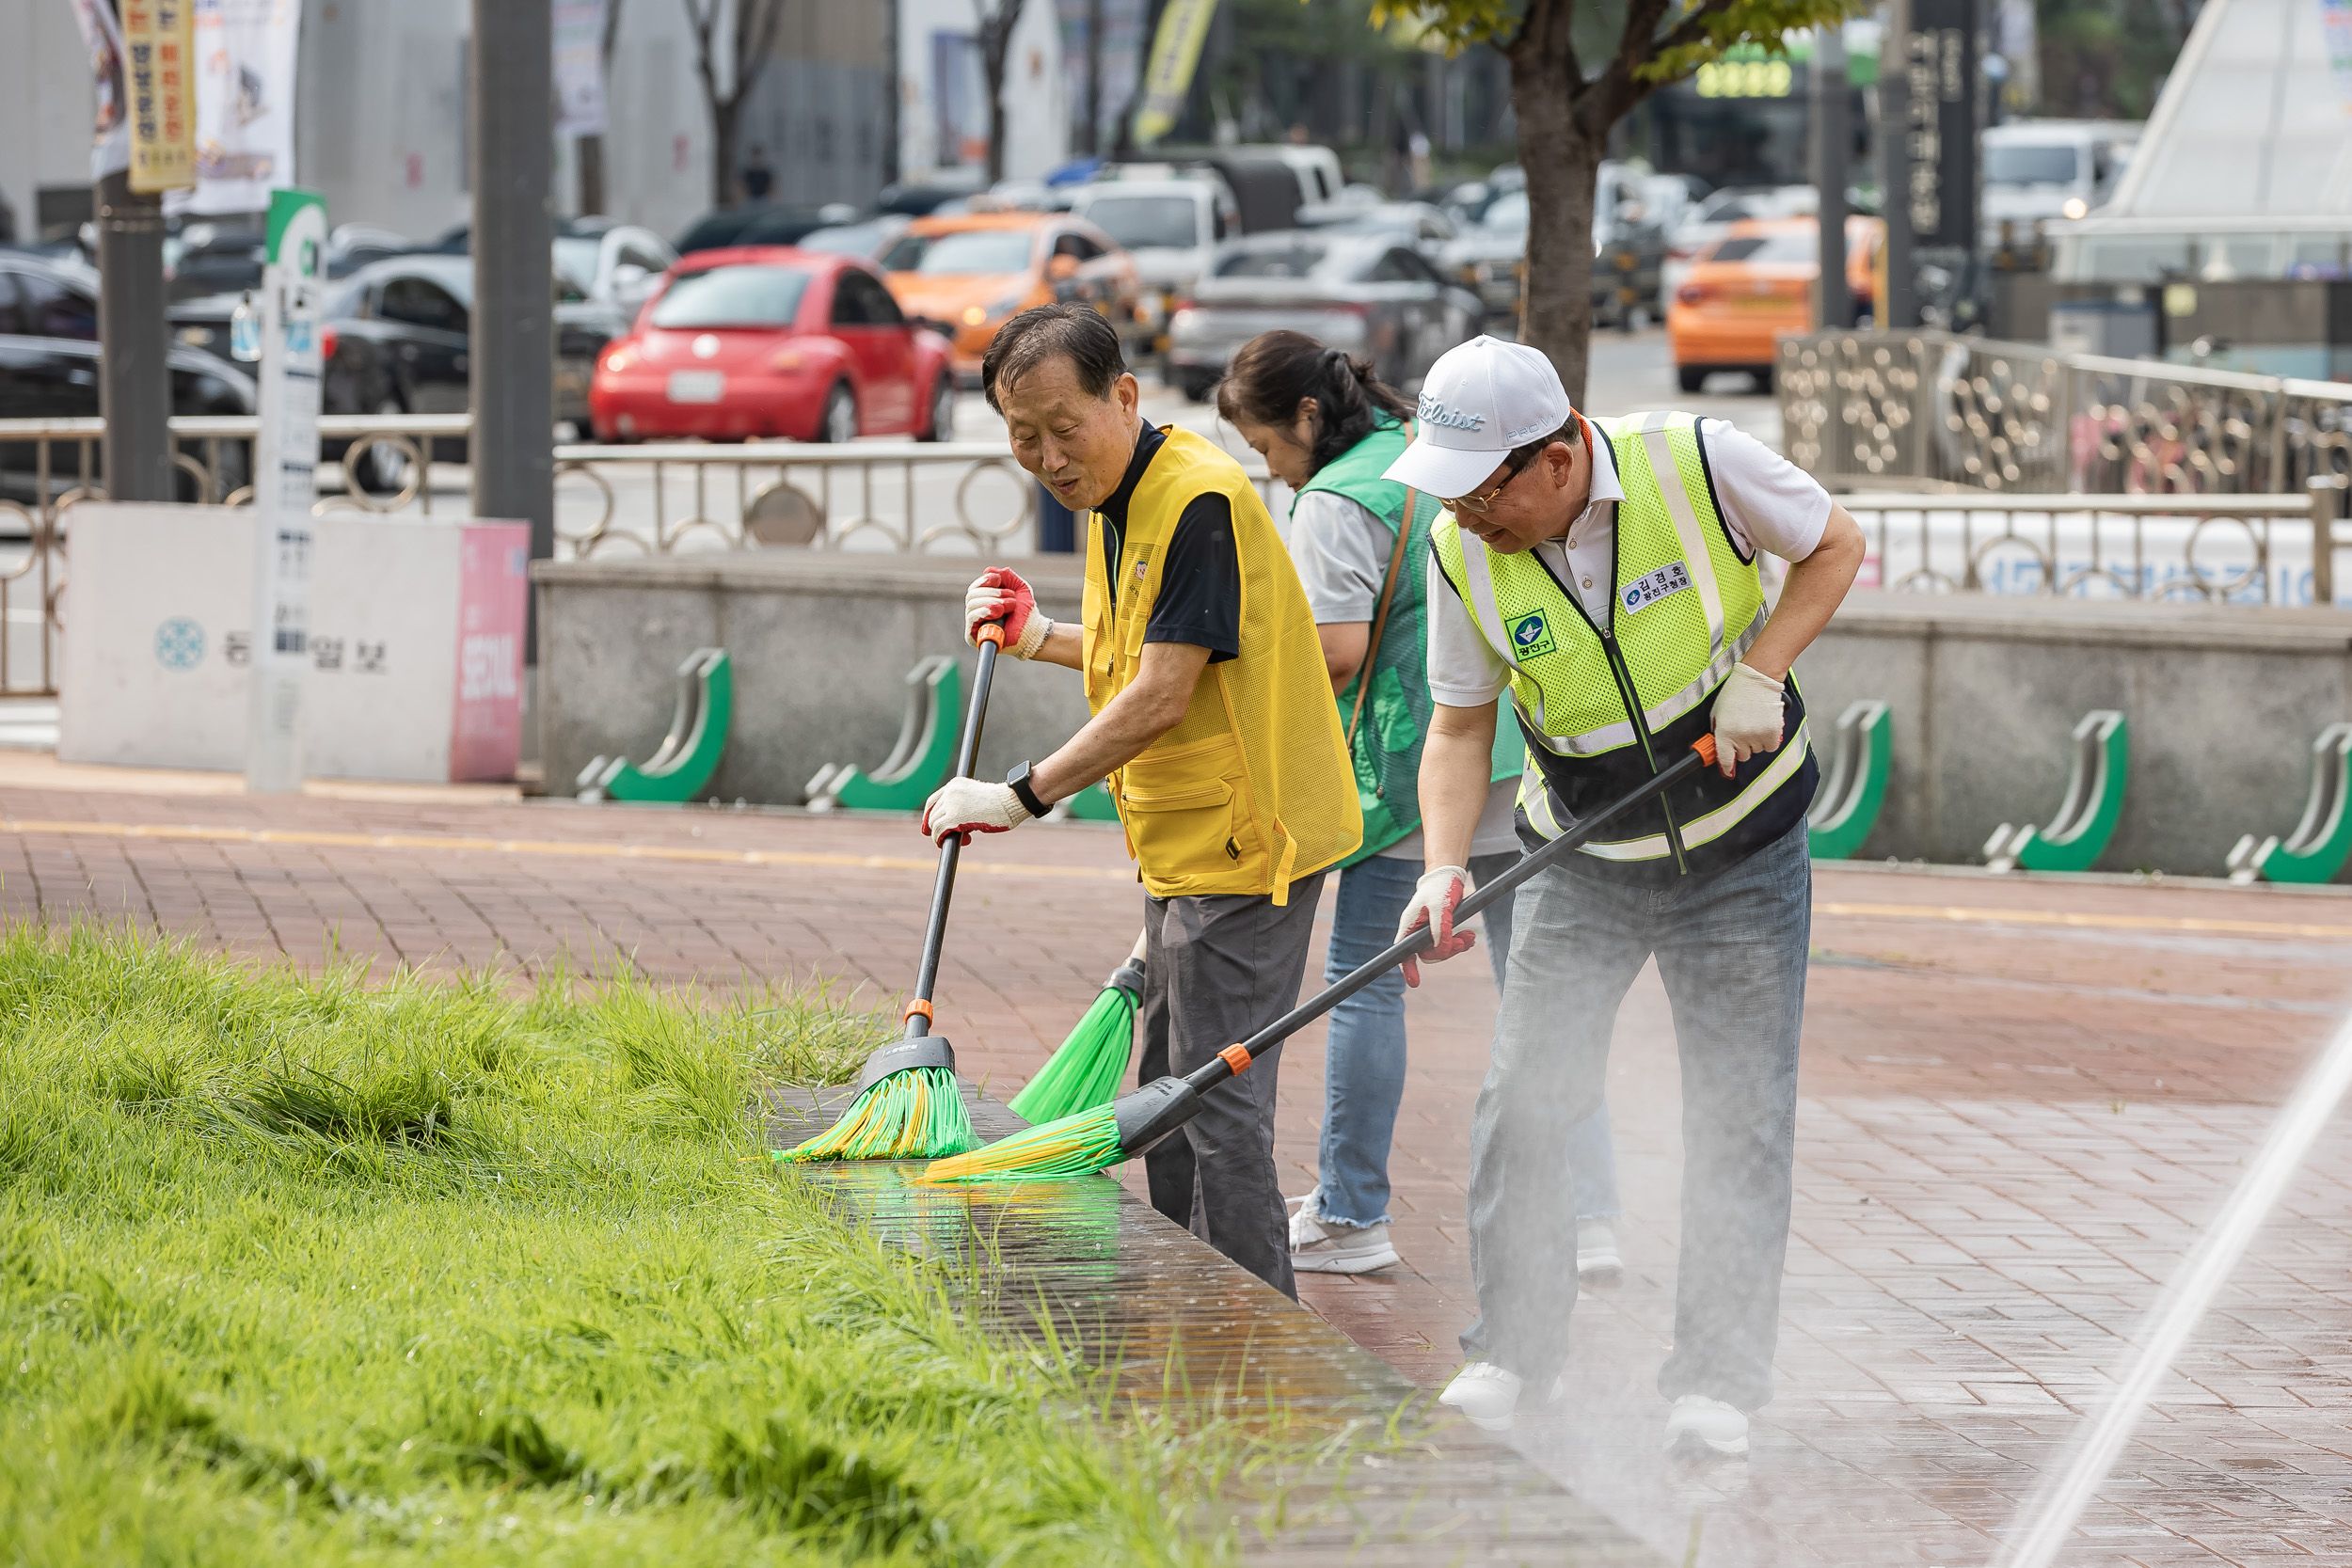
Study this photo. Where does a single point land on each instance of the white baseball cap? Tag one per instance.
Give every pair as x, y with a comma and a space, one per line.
1479, 400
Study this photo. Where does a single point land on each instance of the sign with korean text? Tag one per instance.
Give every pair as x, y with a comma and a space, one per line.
245, 103
285, 458
1940, 66
158, 74
578, 67
1168, 74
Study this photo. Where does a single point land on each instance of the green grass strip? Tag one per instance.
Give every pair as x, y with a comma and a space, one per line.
310, 1271
1086, 1071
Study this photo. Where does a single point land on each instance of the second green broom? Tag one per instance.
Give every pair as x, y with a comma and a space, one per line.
1086, 1072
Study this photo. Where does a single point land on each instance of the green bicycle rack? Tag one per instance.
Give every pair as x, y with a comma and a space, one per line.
1093, 805
1847, 810
688, 754
2078, 835
918, 764
2319, 846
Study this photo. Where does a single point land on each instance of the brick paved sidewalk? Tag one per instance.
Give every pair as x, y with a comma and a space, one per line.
2021, 1098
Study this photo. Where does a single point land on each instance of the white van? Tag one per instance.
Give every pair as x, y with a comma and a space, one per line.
2037, 171
1167, 225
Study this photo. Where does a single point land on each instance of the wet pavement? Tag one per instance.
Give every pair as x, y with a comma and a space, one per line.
2020, 1099
1173, 1329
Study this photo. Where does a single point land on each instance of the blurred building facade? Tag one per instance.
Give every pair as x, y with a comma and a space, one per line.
381, 111
943, 93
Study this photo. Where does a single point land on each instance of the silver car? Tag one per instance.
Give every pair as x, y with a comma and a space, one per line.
1372, 295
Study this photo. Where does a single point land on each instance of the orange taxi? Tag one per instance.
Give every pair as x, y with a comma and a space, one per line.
1753, 285
966, 273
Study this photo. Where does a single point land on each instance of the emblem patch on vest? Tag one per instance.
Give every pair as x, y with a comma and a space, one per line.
1643, 592
1531, 638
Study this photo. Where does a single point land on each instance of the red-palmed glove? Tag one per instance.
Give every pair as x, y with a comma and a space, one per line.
1000, 595
1434, 899
968, 806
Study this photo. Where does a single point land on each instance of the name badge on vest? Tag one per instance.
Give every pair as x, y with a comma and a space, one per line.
1643, 592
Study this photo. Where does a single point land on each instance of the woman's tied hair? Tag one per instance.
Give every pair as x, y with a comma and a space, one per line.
1275, 371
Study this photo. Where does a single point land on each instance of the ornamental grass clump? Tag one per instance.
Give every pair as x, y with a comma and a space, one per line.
307, 1271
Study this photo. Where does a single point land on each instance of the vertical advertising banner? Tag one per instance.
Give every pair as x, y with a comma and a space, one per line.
244, 105
159, 79
2335, 30
285, 460
579, 68
110, 145
1167, 76
1940, 66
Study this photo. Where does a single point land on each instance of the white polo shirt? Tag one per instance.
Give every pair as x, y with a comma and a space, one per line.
1767, 502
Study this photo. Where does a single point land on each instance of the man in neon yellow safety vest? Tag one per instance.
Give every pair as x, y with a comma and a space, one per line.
1604, 573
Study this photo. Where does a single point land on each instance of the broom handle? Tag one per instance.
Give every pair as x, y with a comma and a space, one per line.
1219, 1067
918, 1019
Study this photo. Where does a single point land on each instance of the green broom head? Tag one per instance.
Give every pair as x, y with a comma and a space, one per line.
1077, 1145
1086, 1072
909, 1107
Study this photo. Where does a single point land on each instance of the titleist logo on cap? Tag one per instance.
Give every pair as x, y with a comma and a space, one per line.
1431, 411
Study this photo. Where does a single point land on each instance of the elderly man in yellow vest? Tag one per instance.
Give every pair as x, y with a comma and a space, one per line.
1603, 573
1213, 723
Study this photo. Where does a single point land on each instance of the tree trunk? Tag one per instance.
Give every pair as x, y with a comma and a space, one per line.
1090, 131
1562, 166
590, 150
724, 113
995, 117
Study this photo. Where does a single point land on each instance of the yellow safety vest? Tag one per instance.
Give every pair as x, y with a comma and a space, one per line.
1606, 705
1252, 789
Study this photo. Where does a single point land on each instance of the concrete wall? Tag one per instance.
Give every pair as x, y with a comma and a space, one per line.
1984, 693
46, 105
2223, 703
821, 646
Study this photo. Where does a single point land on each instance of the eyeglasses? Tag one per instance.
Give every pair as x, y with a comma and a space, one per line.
1481, 504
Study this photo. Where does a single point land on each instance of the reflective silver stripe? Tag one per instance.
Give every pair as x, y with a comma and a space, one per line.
1477, 569
1714, 675
1707, 829
1539, 807
1667, 475
1591, 743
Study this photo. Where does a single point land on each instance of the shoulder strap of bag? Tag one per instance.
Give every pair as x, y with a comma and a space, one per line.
1380, 619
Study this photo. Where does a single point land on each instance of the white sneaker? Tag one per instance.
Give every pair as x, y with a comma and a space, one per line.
1596, 1252
1310, 1208
1326, 1246
1709, 1424
1486, 1393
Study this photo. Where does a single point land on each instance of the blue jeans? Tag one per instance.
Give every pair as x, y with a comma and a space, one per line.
1364, 1053
1731, 949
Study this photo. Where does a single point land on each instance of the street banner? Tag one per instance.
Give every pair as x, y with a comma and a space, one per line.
285, 458
2335, 28
1168, 76
579, 68
244, 105
110, 145
159, 59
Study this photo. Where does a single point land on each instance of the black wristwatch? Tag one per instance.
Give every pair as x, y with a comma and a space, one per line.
1019, 779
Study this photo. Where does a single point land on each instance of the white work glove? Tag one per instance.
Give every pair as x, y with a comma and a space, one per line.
1747, 717
1434, 899
968, 806
1000, 595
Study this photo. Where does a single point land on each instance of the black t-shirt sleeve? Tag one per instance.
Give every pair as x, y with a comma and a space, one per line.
1200, 599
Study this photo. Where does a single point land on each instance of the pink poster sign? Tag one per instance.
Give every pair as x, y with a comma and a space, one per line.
493, 597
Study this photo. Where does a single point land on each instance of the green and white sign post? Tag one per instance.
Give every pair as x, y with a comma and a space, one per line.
285, 458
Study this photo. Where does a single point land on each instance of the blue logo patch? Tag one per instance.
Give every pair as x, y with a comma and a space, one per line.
1531, 638
178, 643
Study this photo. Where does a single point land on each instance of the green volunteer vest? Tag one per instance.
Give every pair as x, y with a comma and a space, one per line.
1607, 706
1387, 745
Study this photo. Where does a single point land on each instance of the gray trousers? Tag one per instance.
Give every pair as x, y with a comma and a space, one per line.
1218, 969
1731, 948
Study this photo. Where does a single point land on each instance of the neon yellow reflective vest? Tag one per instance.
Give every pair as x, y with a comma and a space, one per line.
1606, 707
1252, 789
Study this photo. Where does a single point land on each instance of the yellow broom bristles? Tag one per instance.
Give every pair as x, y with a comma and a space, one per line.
915, 1115
1074, 1146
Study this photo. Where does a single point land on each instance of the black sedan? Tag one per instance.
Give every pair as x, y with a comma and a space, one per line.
398, 336
49, 356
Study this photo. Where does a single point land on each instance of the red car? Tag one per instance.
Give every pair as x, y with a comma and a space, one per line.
769, 341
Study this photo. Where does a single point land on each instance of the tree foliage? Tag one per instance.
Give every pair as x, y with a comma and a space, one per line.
1573, 77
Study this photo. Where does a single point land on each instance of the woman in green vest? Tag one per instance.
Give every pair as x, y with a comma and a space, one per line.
1327, 427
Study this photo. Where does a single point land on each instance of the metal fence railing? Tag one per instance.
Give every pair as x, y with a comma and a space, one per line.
1932, 410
